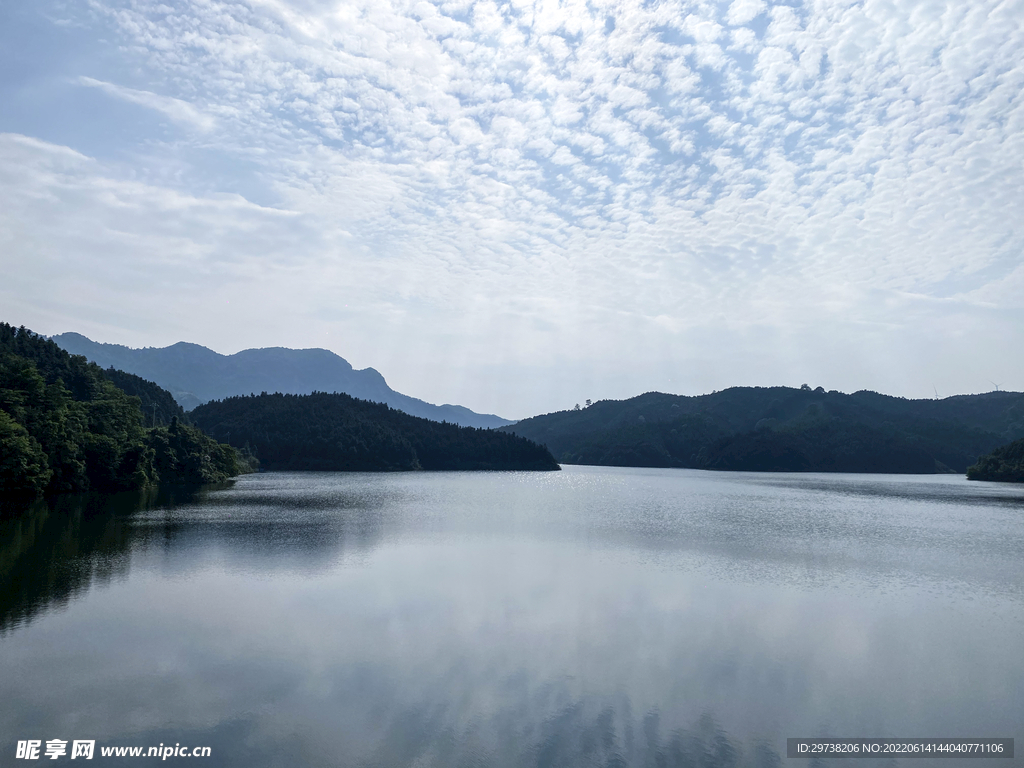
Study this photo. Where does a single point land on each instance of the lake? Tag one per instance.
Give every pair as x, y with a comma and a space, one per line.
590, 617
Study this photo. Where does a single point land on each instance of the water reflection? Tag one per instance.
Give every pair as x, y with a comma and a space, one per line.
575, 736
598, 617
921, 488
57, 549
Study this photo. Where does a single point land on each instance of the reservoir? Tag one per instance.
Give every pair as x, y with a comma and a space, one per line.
590, 617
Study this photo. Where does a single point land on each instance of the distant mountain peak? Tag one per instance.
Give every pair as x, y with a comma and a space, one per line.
195, 374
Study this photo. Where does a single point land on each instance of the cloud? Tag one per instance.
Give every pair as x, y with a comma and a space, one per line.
177, 110
584, 186
744, 11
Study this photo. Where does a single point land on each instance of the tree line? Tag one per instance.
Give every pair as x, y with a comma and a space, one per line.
334, 431
66, 426
1005, 464
783, 429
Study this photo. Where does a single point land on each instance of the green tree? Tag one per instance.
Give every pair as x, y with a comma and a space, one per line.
24, 470
68, 426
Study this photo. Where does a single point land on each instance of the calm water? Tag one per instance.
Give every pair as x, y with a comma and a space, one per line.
592, 617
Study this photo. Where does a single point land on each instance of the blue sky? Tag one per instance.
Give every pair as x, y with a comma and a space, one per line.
517, 206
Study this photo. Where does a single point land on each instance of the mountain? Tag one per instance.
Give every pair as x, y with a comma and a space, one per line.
783, 429
195, 375
337, 432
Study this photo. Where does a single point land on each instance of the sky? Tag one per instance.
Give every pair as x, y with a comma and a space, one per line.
518, 206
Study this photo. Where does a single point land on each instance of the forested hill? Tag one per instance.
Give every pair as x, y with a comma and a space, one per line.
195, 375
65, 426
1005, 464
783, 429
159, 408
324, 431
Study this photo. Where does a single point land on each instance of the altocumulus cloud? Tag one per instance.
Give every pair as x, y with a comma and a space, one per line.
520, 205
